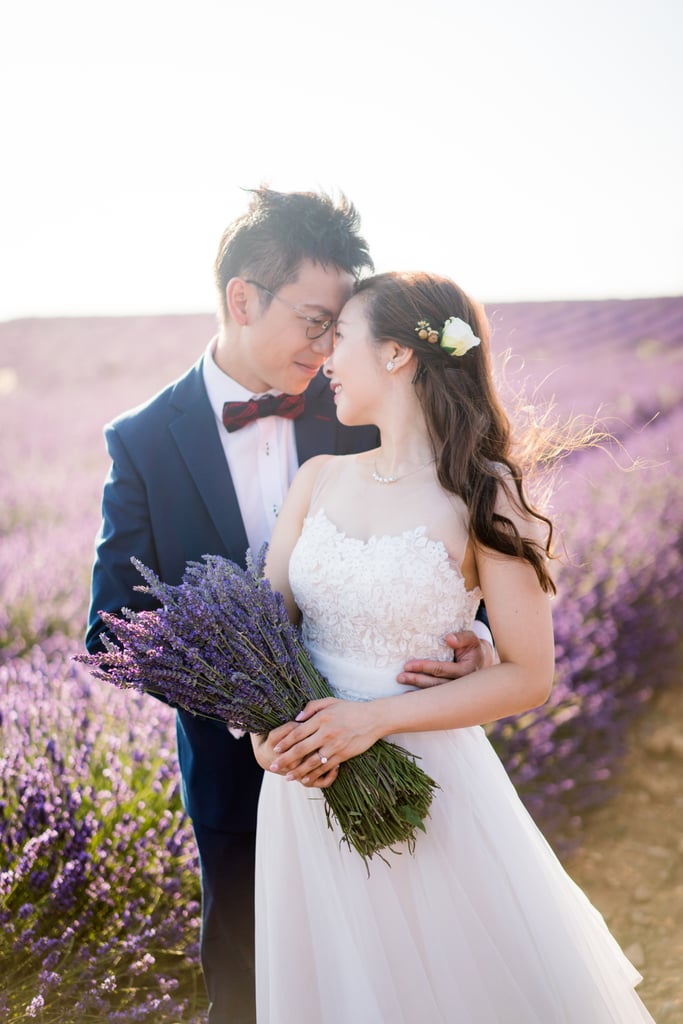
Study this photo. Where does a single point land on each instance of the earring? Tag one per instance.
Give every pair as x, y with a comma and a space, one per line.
390, 365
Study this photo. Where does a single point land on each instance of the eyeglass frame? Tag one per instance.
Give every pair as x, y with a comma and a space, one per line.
323, 324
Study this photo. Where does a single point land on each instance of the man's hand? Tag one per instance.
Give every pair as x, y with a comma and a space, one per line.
470, 654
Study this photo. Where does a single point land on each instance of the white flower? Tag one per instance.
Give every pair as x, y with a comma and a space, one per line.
457, 337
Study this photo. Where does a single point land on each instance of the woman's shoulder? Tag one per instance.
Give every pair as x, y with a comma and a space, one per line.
318, 470
312, 468
509, 505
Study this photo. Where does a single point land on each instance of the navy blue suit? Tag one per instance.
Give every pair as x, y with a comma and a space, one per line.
169, 499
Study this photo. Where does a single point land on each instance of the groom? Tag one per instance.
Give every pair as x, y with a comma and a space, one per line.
203, 468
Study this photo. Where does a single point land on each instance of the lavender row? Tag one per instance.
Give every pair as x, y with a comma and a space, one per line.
617, 633
98, 879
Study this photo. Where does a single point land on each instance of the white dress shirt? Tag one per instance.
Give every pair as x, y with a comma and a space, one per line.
262, 456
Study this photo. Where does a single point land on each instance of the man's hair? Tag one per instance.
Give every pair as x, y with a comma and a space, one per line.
279, 230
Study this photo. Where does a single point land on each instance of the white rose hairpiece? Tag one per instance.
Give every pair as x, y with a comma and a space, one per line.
455, 337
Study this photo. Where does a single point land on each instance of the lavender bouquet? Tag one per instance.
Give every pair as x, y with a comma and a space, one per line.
221, 645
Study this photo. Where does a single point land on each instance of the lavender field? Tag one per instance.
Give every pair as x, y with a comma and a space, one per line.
99, 893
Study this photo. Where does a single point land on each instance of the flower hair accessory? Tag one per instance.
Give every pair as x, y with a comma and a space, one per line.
455, 337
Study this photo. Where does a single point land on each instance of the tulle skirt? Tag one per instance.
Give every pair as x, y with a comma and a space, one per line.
481, 925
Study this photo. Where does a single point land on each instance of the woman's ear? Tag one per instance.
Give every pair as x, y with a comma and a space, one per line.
237, 299
399, 355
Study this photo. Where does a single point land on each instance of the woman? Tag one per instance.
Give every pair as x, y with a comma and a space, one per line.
382, 554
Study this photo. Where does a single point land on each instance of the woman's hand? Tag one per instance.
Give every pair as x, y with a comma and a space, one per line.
266, 744
326, 733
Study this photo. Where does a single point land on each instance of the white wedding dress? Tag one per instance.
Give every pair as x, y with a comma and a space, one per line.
481, 925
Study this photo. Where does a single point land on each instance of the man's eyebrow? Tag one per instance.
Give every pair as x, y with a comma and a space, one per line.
323, 310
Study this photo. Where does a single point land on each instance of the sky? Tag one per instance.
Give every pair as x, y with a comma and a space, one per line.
530, 150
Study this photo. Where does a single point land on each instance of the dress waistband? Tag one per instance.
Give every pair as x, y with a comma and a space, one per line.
351, 680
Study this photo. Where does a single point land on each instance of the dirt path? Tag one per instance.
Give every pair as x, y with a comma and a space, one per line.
631, 863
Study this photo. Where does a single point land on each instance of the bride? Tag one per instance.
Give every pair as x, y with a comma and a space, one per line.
382, 554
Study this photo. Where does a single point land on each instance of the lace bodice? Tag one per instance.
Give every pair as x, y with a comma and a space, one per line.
378, 602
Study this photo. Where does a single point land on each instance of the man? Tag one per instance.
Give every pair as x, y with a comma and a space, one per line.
193, 473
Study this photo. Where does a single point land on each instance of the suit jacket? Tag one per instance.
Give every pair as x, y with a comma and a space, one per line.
169, 499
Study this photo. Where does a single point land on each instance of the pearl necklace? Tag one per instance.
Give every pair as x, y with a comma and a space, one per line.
379, 479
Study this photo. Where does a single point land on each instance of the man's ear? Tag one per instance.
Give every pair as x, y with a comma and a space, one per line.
238, 300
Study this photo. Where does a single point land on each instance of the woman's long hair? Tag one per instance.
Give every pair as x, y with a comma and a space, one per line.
469, 428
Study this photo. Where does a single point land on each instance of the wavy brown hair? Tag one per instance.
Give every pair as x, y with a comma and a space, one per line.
469, 429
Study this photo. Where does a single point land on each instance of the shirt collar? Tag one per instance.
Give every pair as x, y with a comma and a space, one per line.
220, 387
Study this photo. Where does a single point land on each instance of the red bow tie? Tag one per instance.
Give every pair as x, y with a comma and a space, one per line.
239, 414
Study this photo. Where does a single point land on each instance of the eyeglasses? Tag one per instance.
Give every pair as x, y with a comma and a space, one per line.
315, 328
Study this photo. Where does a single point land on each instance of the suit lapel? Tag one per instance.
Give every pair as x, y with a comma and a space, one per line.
194, 432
